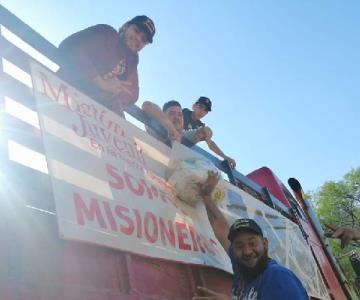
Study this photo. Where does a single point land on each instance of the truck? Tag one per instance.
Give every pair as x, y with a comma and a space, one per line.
36, 262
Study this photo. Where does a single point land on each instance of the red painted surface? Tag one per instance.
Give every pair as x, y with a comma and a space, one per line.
36, 265
266, 178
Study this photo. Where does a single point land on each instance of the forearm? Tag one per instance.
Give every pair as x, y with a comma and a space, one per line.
129, 98
217, 221
215, 148
154, 112
132, 97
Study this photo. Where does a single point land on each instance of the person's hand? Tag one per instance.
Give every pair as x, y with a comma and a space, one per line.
210, 183
345, 234
231, 161
113, 85
202, 134
174, 135
209, 294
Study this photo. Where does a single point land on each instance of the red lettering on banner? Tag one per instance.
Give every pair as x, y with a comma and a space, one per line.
62, 89
112, 171
182, 235
110, 216
90, 213
169, 233
138, 223
138, 186
151, 226
199, 239
138, 189
142, 225
193, 238
151, 191
120, 212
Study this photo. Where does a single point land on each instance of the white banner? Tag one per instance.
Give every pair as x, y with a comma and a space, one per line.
108, 181
109, 186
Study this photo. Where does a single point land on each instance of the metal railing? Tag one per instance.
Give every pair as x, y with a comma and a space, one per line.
10, 87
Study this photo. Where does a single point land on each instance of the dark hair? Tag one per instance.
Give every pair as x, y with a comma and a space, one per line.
170, 104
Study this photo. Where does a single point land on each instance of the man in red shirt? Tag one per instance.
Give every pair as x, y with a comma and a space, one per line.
102, 62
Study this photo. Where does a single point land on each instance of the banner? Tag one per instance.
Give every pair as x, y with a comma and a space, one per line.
108, 179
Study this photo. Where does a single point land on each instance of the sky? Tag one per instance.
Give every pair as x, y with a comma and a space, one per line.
283, 75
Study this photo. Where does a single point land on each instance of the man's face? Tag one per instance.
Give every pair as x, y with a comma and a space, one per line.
135, 39
175, 115
200, 110
250, 249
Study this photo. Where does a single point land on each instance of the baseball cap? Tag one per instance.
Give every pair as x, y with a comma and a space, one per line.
244, 225
146, 25
205, 101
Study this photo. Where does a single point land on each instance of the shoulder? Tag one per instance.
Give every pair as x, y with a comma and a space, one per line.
282, 281
102, 28
274, 270
89, 33
186, 113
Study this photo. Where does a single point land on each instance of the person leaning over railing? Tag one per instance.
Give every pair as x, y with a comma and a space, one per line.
171, 118
102, 62
192, 121
256, 275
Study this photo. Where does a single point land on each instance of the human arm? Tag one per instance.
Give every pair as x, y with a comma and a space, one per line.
207, 137
208, 294
154, 112
345, 234
130, 94
215, 148
216, 218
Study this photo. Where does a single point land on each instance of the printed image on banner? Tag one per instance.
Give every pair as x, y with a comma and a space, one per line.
108, 179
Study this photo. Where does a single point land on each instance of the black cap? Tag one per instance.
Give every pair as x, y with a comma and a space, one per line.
146, 25
170, 104
205, 101
244, 225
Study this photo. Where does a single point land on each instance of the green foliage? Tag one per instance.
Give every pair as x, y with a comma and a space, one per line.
338, 203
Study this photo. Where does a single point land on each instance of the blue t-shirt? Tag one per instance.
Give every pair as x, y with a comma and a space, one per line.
275, 283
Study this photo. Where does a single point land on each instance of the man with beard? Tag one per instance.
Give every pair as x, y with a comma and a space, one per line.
256, 276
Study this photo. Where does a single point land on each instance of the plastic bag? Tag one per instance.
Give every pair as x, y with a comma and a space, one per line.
187, 176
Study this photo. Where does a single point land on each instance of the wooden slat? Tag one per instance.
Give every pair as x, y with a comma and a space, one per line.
23, 133
16, 90
27, 34
14, 54
24, 186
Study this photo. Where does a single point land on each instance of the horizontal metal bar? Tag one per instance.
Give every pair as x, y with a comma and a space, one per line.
22, 133
25, 186
17, 91
27, 34
15, 55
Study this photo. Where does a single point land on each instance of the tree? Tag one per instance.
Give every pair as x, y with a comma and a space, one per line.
339, 203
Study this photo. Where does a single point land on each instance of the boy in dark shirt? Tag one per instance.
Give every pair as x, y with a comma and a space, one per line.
192, 120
